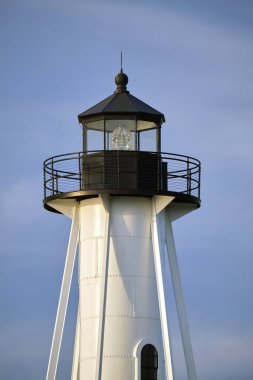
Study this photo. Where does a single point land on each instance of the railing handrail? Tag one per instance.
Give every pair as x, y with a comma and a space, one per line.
58, 179
102, 151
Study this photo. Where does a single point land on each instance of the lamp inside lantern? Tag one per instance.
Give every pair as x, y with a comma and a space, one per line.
122, 138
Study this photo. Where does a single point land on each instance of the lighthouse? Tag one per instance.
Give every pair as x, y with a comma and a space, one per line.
122, 194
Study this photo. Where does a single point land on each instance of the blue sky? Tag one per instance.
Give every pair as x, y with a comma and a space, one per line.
192, 60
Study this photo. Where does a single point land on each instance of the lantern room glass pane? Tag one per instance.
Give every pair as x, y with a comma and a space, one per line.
97, 125
147, 140
110, 125
144, 125
108, 140
95, 140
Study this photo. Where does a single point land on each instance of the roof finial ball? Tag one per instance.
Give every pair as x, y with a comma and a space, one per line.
121, 79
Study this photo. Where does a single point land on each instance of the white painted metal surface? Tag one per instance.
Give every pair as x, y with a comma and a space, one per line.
132, 309
64, 296
103, 291
122, 304
75, 363
158, 247
179, 298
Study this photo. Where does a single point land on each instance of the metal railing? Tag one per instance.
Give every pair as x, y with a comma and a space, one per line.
71, 172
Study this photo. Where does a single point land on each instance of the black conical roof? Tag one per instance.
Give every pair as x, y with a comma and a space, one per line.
122, 102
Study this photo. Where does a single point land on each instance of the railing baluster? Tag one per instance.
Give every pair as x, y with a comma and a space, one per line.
199, 180
187, 176
44, 178
80, 171
190, 180
52, 168
56, 179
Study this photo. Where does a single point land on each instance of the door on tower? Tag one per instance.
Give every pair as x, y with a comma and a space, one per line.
149, 362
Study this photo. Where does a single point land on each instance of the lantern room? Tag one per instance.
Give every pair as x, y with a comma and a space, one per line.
121, 122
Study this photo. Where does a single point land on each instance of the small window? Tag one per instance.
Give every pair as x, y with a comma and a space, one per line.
149, 362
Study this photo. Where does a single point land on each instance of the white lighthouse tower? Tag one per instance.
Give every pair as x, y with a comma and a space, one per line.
122, 199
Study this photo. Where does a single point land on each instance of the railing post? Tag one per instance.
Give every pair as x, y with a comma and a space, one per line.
80, 170
56, 178
190, 180
52, 169
159, 179
199, 180
44, 178
188, 176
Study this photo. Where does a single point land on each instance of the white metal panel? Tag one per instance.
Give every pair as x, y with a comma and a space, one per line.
89, 295
122, 334
158, 252
87, 367
131, 256
89, 260
113, 366
92, 220
64, 296
92, 217
131, 216
120, 296
145, 298
88, 338
75, 365
103, 296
